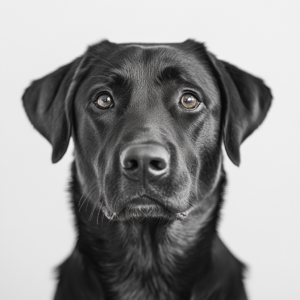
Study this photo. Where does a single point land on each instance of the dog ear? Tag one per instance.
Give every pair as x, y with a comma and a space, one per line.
48, 104
246, 101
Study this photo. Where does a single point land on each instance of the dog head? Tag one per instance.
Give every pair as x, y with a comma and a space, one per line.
148, 121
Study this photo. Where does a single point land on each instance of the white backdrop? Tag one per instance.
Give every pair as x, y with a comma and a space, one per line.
260, 219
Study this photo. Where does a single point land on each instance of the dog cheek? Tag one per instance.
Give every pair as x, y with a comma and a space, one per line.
208, 150
111, 183
86, 153
210, 171
109, 188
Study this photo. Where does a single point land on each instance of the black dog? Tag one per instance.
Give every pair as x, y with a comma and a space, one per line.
148, 122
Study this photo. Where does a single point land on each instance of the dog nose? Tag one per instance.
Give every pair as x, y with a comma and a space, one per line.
149, 161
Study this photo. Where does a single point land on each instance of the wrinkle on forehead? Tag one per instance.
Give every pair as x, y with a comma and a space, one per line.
143, 64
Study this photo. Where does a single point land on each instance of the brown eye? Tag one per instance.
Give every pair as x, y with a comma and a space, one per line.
104, 101
189, 101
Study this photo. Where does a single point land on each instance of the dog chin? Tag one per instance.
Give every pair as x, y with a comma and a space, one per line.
140, 212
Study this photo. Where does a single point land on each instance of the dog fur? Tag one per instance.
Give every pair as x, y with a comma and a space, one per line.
168, 249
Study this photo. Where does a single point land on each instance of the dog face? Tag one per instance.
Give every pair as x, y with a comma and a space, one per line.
147, 122
158, 132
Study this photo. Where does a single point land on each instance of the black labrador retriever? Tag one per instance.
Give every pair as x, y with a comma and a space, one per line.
148, 122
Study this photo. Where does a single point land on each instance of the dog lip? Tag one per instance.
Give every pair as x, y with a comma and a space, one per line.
143, 200
143, 206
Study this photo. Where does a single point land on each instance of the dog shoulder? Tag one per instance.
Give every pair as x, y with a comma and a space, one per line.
75, 281
225, 281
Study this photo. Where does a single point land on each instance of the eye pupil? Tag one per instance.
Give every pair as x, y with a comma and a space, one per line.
104, 101
189, 101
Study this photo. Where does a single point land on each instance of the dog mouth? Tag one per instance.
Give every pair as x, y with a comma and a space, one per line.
145, 207
143, 202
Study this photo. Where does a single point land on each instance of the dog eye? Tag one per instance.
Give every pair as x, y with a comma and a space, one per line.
189, 101
104, 101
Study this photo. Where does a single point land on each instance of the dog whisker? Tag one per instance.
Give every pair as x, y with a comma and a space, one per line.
100, 204
87, 192
92, 212
86, 197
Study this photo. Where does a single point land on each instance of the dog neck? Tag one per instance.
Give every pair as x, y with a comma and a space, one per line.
134, 260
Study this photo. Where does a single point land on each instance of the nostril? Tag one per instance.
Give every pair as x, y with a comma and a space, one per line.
144, 161
158, 165
130, 164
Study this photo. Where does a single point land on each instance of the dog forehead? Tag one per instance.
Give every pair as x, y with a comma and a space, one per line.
134, 59
144, 62
154, 55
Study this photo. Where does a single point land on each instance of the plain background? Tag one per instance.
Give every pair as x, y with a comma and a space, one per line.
260, 219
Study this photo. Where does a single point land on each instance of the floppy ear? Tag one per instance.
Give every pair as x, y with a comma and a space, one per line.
246, 101
48, 104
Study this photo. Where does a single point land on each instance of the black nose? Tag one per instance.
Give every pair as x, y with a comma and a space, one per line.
145, 161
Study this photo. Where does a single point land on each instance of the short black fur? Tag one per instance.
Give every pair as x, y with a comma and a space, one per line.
147, 178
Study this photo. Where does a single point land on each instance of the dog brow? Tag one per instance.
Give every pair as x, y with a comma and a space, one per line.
118, 79
169, 73
113, 79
